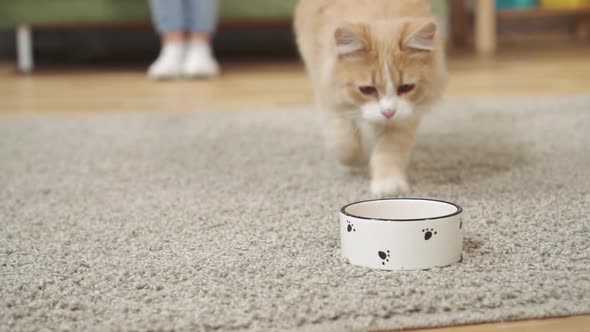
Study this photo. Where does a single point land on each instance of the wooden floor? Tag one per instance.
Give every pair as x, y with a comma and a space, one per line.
278, 84
570, 324
283, 84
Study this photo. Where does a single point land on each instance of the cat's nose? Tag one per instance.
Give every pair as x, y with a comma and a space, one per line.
388, 113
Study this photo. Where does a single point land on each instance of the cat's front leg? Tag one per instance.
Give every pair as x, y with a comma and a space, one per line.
389, 160
343, 139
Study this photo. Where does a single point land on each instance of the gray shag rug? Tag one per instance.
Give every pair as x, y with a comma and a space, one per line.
227, 221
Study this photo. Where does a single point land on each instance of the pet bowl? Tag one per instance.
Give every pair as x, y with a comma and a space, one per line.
401, 233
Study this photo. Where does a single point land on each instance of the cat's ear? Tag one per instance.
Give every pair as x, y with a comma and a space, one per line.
350, 39
421, 36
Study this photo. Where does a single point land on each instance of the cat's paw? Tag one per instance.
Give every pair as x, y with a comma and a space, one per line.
349, 154
351, 159
389, 186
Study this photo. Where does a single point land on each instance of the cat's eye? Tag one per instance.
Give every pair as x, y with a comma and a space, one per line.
405, 88
368, 90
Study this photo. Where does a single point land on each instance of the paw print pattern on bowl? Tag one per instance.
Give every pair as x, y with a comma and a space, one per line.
350, 227
384, 256
429, 233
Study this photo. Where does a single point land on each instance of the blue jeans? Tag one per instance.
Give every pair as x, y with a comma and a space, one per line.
184, 15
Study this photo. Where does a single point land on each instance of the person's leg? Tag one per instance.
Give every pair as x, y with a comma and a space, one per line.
201, 20
168, 17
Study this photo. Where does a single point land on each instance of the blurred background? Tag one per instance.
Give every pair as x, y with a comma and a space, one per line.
92, 55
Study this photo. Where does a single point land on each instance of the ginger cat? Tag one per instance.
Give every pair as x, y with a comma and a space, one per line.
376, 66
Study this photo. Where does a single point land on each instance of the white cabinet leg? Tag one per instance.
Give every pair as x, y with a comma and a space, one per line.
24, 48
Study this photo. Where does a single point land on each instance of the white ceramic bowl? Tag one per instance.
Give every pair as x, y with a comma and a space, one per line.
401, 233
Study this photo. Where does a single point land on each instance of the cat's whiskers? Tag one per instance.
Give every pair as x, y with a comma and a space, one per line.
352, 114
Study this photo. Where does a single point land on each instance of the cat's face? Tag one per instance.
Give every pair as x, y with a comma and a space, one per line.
390, 71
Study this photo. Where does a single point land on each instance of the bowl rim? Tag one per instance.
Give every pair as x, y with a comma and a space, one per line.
458, 212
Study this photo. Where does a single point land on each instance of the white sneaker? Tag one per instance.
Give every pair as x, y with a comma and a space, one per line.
199, 61
168, 65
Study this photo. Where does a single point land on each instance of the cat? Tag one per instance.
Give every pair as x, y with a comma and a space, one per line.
376, 67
